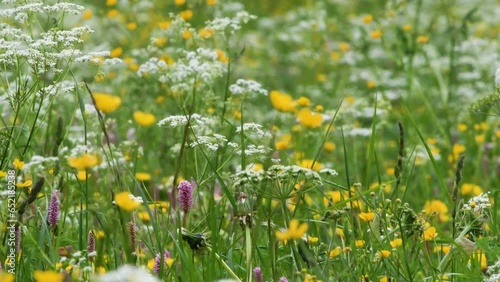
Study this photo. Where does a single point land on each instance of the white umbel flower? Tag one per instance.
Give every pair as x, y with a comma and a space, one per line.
126, 273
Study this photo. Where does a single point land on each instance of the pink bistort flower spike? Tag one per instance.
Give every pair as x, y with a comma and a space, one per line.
185, 195
54, 209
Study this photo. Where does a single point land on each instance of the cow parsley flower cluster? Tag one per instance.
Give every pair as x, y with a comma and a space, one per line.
255, 150
244, 86
230, 25
193, 67
276, 173
212, 142
253, 129
152, 66
181, 120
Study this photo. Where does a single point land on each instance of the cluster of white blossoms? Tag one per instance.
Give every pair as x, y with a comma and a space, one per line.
254, 150
276, 173
478, 203
253, 129
32, 51
181, 120
202, 65
39, 164
36, 46
497, 78
243, 86
152, 66
52, 90
213, 142
127, 273
494, 272
230, 25
20, 13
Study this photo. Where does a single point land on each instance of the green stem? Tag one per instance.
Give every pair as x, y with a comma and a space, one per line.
248, 240
11, 133
226, 267
32, 129
242, 141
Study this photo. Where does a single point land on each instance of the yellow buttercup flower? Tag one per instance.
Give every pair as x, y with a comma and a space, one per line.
186, 14
110, 3
87, 14
396, 242
335, 56
282, 101
367, 19
187, 34
422, 39
376, 34
480, 257
335, 252
100, 270
125, 202
461, 127
113, 13
437, 207
470, 189
164, 24
99, 234
7, 277
132, 26
24, 184
211, 2
106, 103
344, 46
340, 232
309, 119
18, 164
321, 77
294, 231
82, 175
160, 41
303, 101
384, 254
481, 126
281, 145
429, 234
312, 240
144, 216
117, 52
206, 32
457, 149
151, 264
47, 276
359, 243
442, 248
221, 56
308, 163
83, 162
143, 176
329, 147
144, 119
480, 138
367, 216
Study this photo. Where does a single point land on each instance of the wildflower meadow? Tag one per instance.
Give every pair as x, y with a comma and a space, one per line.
249, 140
